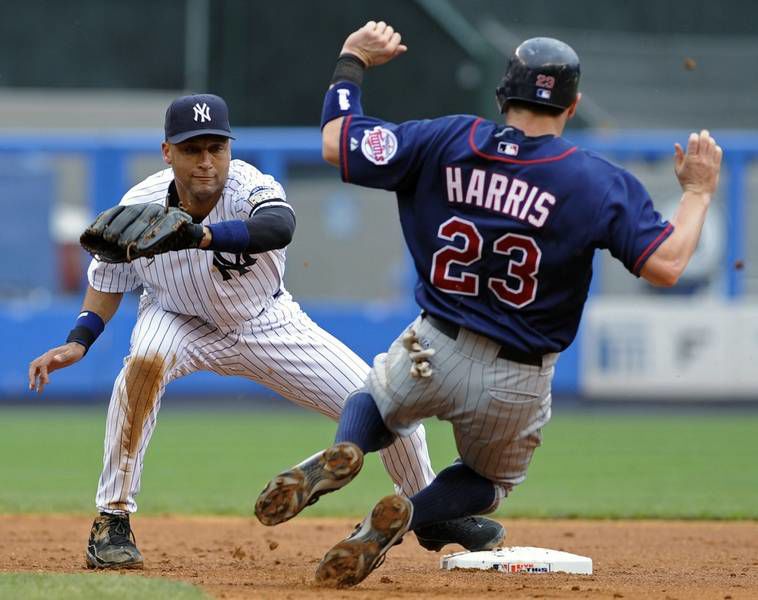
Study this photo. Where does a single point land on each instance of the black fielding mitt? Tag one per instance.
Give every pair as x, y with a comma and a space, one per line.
125, 233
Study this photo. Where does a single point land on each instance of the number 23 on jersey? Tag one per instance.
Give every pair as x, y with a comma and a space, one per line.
517, 290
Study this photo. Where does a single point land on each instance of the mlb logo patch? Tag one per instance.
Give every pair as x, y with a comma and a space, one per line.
379, 145
507, 148
544, 94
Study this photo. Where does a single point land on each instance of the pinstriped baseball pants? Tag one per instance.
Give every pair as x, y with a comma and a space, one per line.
283, 350
497, 407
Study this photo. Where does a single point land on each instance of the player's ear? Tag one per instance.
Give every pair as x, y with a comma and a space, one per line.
574, 104
166, 152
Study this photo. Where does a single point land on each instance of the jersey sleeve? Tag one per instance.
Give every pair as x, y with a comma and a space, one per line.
265, 192
628, 224
379, 154
112, 278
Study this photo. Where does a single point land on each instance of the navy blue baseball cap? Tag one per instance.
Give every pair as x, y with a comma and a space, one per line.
198, 114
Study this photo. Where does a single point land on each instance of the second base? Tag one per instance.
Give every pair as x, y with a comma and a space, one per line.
519, 559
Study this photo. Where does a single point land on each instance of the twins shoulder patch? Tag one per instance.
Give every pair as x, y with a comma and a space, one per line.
379, 145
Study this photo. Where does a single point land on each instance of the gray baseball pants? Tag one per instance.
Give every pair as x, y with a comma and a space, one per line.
497, 407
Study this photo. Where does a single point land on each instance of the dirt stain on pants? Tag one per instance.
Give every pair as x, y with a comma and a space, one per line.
144, 375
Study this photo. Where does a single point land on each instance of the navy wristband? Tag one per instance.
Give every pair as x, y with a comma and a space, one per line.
88, 326
341, 100
229, 236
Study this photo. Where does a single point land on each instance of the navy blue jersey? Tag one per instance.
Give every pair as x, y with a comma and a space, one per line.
502, 227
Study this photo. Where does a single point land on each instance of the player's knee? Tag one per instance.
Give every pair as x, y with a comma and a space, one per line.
362, 422
146, 369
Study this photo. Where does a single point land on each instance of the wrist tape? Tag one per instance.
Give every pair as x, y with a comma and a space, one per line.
349, 68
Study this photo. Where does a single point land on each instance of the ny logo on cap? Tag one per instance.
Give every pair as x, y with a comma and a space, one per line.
202, 112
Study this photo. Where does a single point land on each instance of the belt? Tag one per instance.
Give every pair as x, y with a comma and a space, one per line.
451, 330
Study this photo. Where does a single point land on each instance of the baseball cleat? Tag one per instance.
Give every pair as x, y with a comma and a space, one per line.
473, 533
302, 485
111, 544
350, 562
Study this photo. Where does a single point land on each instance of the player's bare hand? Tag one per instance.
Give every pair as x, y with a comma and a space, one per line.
52, 360
375, 43
698, 168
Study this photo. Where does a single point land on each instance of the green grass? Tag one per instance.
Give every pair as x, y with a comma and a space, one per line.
602, 466
33, 586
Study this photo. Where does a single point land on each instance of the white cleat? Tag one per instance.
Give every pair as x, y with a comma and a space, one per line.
352, 560
302, 485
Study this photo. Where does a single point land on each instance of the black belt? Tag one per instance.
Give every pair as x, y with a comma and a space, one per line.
451, 330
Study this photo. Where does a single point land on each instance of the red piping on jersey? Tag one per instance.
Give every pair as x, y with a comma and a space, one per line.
343, 153
514, 161
650, 247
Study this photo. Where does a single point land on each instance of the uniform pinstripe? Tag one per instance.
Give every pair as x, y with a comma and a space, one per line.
192, 318
497, 407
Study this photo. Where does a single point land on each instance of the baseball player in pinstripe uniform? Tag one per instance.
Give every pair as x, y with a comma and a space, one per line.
221, 308
502, 222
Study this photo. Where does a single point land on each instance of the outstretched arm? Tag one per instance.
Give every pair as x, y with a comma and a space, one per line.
373, 44
104, 305
698, 172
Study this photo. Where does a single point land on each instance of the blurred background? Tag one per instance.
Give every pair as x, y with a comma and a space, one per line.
84, 85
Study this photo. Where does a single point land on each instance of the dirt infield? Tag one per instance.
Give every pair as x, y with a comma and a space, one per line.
239, 558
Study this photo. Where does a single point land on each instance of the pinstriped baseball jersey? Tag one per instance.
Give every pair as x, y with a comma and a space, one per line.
222, 288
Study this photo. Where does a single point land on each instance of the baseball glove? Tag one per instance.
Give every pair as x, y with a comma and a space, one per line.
124, 233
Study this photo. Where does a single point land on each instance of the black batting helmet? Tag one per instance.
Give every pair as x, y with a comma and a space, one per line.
541, 71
